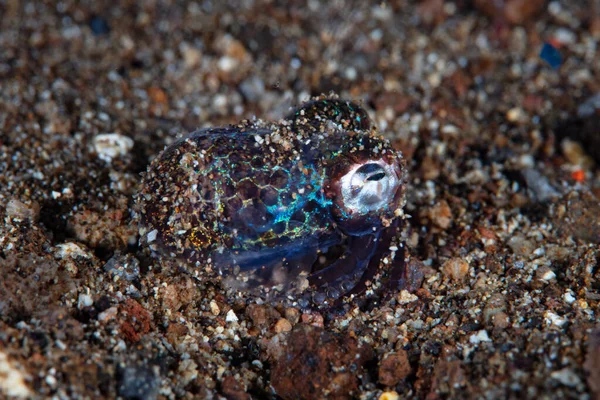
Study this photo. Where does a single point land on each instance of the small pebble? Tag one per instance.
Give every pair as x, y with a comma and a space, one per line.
283, 325
25, 212
108, 314
85, 300
389, 396
214, 308
481, 336
441, 215
394, 368
456, 269
567, 377
12, 380
406, 297
516, 115
554, 319
231, 317
112, 145
545, 274
191, 56
71, 250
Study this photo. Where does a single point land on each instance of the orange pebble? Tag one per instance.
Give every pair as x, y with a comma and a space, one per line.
578, 175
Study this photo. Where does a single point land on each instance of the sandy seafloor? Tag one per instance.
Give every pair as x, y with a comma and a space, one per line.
502, 150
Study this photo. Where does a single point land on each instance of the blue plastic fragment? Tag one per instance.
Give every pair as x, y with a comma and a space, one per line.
99, 26
551, 55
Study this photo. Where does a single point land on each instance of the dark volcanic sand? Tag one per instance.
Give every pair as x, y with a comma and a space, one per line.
502, 194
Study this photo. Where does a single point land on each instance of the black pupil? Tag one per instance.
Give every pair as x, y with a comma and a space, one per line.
376, 177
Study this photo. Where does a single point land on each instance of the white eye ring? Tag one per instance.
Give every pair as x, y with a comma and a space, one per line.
369, 186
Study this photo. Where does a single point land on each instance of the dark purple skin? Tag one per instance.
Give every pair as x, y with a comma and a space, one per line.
256, 205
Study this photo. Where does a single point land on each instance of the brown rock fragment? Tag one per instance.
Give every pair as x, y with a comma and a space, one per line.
26, 212
441, 215
432, 12
314, 319
448, 376
495, 304
31, 285
176, 332
292, 315
514, 12
316, 364
456, 269
595, 26
501, 320
63, 326
394, 368
393, 100
521, 246
578, 214
233, 390
429, 168
592, 361
283, 325
415, 273
158, 95
107, 230
135, 320
262, 316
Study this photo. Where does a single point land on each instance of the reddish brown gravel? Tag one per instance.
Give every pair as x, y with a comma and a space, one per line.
503, 198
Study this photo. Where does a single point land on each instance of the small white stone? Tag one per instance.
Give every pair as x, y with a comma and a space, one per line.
220, 101
382, 12
481, 336
567, 377
565, 36
70, 250
227, 63
85, 300
152, 235
569, 298
231, 317
554, 319
351, 73
548, 275
516, 115
12, 381
376, 35
112, 145
50, 380
450, 130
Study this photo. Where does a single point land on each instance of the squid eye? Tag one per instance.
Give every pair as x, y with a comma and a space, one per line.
368, 187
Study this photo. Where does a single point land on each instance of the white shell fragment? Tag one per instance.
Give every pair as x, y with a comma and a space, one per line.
112, 145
